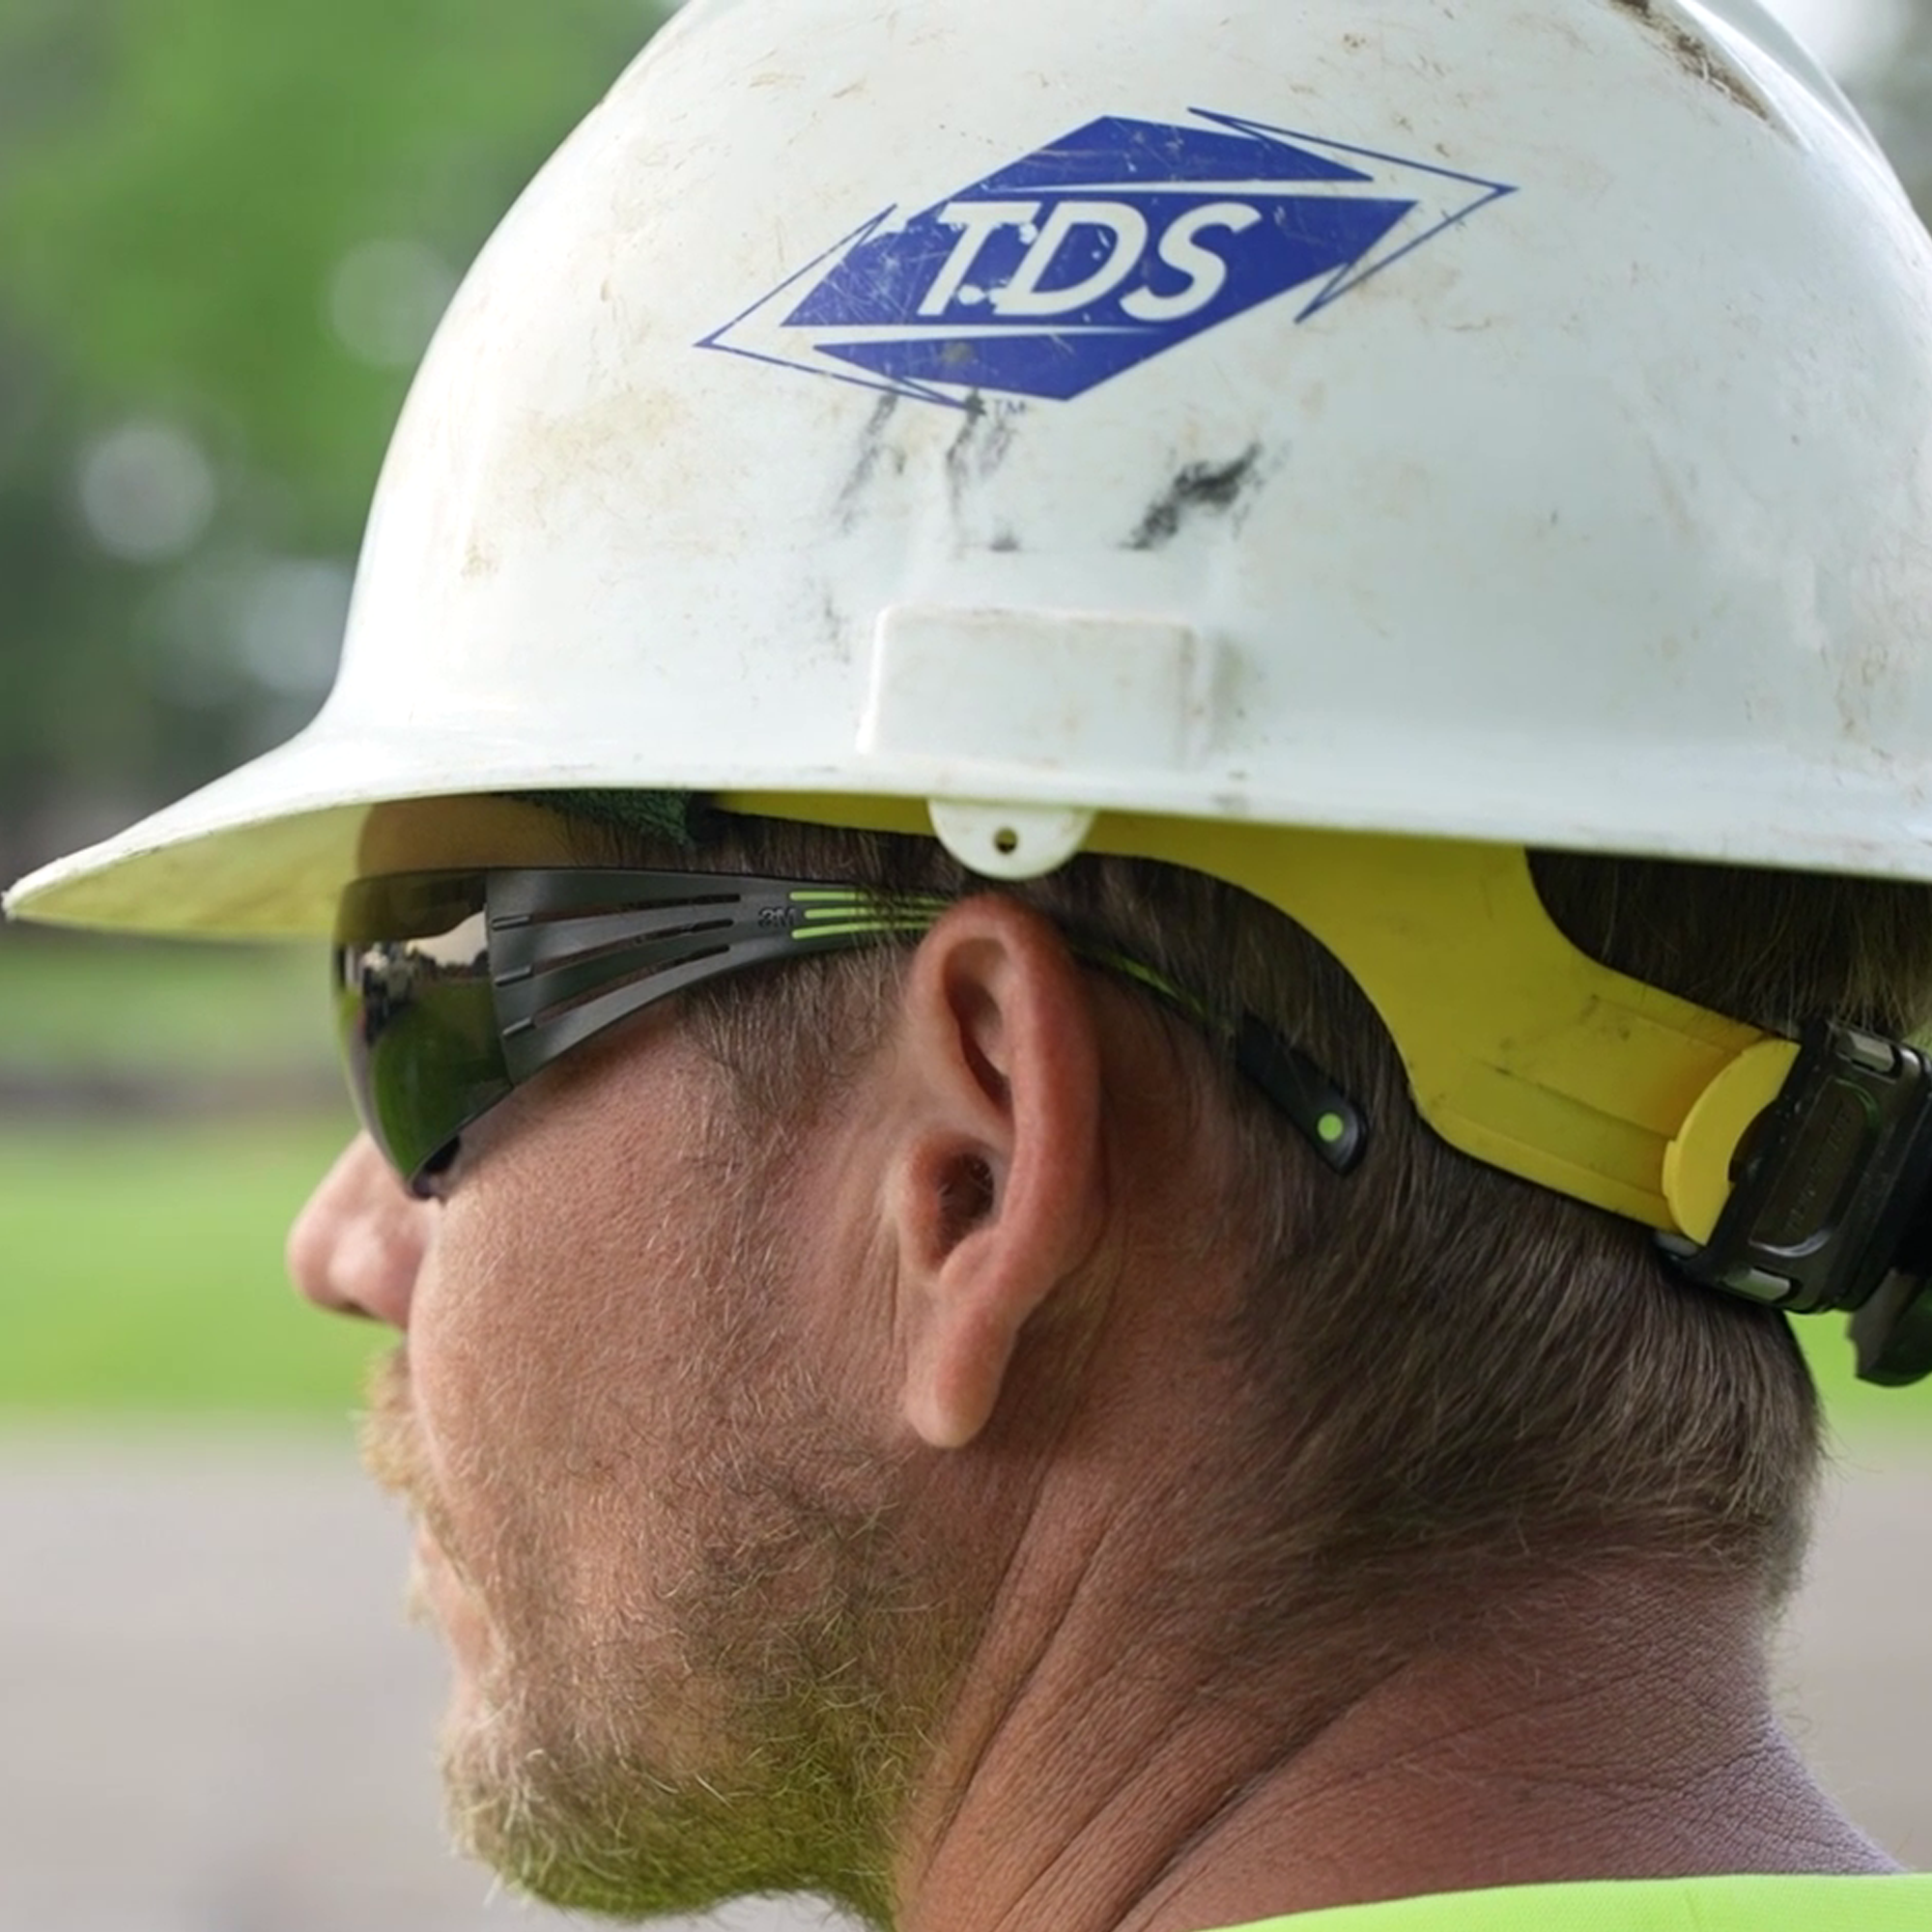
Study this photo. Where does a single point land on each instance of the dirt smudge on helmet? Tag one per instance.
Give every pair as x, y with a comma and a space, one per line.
1697, 56
1211, 487
873, 450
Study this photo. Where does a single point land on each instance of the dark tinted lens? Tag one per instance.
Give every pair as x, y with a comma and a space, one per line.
415, 1014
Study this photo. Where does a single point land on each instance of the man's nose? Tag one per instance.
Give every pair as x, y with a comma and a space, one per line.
356, 1247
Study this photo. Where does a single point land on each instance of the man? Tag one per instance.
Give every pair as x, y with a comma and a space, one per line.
1073, 1252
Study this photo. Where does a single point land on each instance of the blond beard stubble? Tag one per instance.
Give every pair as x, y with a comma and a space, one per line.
809, 1631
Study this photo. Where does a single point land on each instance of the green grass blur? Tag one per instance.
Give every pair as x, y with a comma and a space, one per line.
156, 1008
141, 1250
145, 1274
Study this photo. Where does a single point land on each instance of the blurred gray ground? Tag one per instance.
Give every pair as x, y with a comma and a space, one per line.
213, 1719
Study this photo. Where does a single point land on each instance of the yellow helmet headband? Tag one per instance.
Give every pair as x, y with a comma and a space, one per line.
1520, 1049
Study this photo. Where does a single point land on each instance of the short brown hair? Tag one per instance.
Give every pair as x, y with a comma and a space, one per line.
1452, 1372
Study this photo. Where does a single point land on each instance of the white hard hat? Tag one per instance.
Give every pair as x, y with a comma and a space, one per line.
1502, 423
1511, 426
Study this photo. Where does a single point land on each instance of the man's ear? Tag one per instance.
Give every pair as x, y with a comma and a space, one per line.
996, 1192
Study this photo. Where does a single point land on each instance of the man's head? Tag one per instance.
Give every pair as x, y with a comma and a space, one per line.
756, 1338
1162, 533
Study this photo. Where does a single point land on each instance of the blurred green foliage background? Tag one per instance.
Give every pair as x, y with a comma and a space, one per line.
227, 229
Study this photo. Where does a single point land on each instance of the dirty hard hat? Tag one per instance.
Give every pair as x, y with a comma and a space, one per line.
1332, 455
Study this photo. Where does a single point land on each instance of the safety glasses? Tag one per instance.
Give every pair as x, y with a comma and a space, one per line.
454, 988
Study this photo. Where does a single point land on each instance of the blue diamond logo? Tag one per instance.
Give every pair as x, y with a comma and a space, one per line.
1114, 245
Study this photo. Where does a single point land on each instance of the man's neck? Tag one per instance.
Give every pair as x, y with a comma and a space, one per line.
1610, 1727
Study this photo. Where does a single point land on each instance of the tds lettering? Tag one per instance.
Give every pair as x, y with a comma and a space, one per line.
1118, 229
1112, 244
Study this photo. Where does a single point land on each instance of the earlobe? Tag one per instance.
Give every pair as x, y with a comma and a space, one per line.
998, 1194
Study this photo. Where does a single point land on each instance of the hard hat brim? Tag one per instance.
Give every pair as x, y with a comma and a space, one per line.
266, 851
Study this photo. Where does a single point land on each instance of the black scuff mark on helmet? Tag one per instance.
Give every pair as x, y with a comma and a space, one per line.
973, 457
1697, 56
874, 449
1211, 487
984, 439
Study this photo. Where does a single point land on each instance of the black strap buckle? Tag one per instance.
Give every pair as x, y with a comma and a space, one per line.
1831, 1206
